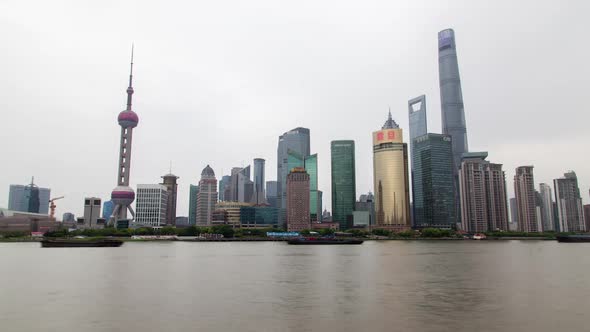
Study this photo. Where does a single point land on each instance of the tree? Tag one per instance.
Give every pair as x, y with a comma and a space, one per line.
326, 231
305, 232
226, 230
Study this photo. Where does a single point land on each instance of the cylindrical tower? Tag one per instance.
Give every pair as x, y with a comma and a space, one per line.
123, 195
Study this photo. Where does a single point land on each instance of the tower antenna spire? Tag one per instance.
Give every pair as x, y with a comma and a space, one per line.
130, 88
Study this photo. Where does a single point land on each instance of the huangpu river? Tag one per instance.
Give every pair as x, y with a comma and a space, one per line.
271, 286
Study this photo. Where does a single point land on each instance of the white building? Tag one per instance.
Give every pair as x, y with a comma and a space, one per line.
150, 205
91, 211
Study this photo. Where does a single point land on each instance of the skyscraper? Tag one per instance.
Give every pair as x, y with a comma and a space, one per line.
513, 211
433, 183
569, 203
418, 127
172, 187
310, 164
295, 140
484, 204
29, 198
206, 197
224, 185
259, 183
192, 204
524, 189
107, 209
123, 195
91, 211
547, 219
271, 193
390, 172
68, 217
241, 188
298, 213
451, 97
343, 182
152, 201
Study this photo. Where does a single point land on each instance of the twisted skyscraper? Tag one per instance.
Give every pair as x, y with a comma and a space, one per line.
451, 97
123, 195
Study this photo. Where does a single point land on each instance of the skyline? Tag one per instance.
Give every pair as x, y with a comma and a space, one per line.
60, 161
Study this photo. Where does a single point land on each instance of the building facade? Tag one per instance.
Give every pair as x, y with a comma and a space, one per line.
259, 196
107, 209
224, 185
298, 210
451, 96
569, 203
92, 212
170, 181
206, 197
310, 164
228, 213
29, 198
272, 197
482, 187
152, 200
547, 220
343, 182
296, 140
192, 204
390, 173
524, 190
433, 183
68, 217
259, 217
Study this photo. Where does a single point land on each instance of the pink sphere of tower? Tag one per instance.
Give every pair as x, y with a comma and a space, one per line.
128, 119
123, 195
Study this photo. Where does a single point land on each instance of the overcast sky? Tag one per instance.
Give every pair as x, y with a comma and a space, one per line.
216, 82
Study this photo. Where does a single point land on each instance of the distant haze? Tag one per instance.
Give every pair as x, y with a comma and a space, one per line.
217, 83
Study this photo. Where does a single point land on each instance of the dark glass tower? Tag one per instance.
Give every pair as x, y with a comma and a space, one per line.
451, 97
432, 177
343, 182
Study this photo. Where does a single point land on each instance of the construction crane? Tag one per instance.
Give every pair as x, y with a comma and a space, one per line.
52, 207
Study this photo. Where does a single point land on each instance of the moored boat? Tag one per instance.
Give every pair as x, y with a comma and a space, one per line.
304, 240
80, 243
576, 238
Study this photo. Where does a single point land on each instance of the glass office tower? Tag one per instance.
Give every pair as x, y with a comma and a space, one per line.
343, 182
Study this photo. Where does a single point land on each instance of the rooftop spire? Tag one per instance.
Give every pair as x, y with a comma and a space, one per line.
390, 123
130, 88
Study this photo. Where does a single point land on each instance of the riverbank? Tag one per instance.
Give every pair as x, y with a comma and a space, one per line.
263, 239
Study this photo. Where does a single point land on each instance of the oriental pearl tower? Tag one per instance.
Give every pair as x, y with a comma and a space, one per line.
123, 195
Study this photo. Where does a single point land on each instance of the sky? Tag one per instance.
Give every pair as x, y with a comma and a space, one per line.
216, 82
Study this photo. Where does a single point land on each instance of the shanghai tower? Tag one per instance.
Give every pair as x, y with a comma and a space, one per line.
451, 98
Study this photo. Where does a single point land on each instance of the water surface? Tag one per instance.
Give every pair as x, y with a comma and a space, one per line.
378, 286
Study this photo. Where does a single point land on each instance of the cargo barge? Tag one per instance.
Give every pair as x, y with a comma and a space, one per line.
80, 243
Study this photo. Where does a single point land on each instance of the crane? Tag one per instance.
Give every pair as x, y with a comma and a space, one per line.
52, 207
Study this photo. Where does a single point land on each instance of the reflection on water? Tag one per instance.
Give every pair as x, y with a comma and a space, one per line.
378, 286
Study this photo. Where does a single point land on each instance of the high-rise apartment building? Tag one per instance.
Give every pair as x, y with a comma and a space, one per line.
451, 96
296, 140
206, 197
587, 216
192, 204
272, 197
524, 190
433, 183
547, 213
343, 182
151, 204
390, 172
513, 211
259, 182
170, 181
298, 213
569, 203
482, 186
29, 198
91, 211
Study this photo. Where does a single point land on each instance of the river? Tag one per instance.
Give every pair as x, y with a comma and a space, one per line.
271, 286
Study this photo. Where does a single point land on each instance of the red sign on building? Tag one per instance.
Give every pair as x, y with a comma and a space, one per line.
391, 135
380, 136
